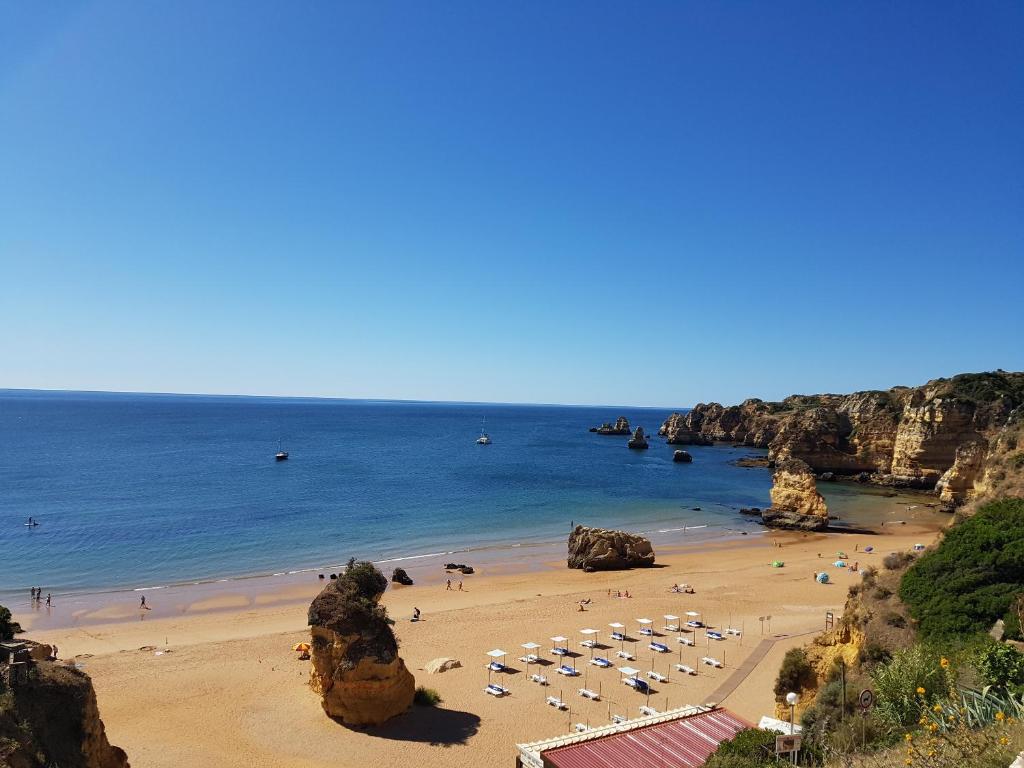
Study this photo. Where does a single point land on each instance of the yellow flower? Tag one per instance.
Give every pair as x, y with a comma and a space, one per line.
1000, 716
908, 761
908, 737
920, 691
937, 708
933, 727
1003, 740
944, 663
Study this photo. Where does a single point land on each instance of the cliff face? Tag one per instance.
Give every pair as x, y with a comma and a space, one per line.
51, 718
356, 667
796, 502
906, 436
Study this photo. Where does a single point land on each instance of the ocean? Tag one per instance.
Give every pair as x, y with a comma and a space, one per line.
140, 491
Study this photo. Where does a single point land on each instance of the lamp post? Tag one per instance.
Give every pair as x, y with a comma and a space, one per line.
792, 699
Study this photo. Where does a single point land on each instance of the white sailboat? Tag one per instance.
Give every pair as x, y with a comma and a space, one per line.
484, 438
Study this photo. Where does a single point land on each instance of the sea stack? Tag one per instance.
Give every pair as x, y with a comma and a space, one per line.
796, 503
682, 457
599, 549
356, 667
620, 427
638, 440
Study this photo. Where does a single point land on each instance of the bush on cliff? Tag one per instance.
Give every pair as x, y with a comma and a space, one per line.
749, 748
349, 606
795, 674
8, 628
973, 577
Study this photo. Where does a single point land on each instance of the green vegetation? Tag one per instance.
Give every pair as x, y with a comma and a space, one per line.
750, 748
795, 674
1000, 666
914, 676
426, 697
973, 577
349, 606
987, 387
8, 628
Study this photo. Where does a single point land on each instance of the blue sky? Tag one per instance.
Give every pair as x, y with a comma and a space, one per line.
591, 202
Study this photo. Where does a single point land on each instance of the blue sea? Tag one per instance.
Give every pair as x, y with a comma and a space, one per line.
149, 490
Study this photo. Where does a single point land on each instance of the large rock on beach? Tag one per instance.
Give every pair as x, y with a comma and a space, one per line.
443, 664
796, 503
356, 668
399, 576
599, 549
639, 439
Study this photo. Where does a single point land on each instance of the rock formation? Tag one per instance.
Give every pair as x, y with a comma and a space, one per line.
53, 720
639, 439
598, 549
620, 427
356, 667
682, 457
905, 436
399, 576
796, 502
443, 664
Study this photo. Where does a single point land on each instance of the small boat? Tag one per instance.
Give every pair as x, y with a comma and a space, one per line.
281, 455
484, 438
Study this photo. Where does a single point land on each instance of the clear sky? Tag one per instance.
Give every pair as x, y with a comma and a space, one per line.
581, 202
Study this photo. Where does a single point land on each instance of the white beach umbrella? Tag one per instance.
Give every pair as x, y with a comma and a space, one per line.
628, 672
645, 624
496, 654
557, 642
589, 642
693, 613
671, 620
530, 648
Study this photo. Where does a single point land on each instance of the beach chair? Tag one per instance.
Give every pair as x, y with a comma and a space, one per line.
684, 668
581, 727
618, 636
657, 677
496, 666
714, 635
599, 661
557, 703
530, 658
733, 631
586, 693
539, 679
646, 631
712, 662
671, 627
694, 624
648, 711
496, 690
686, 641
588, 643
568, 671
618, 719
637, 684
560, 651
624, 655
659, 647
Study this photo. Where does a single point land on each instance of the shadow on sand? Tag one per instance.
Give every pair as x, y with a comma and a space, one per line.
436, 726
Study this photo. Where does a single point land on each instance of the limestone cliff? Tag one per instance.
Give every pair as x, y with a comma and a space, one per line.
49, 717
905, 436
598, 549
356, 667
796, 503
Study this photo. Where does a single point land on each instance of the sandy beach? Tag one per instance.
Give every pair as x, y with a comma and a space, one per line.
217, 684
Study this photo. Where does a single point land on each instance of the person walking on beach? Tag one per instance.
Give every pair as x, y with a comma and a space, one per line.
47, 599
460, 586
33, 591
449, 587
415, 613
142, 603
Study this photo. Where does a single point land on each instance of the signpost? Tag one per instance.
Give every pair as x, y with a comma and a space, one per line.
788, 745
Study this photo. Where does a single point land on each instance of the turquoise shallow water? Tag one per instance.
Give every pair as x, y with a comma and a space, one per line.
148, 490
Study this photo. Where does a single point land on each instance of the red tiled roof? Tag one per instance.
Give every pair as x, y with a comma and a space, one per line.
684, 743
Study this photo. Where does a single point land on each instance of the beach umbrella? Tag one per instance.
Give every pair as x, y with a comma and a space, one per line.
839, 564
671, 620
303, 647
589, 642
530, 648
823, 578
617, 628
644, 624
556, 641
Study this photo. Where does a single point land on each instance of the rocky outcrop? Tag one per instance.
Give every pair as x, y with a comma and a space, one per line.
682, 457
957, 482
53, 720
399, 576
599, 549
356, 667
443, 664
677, 431
796, 503
905, 436
620, 427
639, 439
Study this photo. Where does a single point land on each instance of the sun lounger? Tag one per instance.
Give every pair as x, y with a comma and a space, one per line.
496, 666
618, 719
586, 693
733, 631
659, 647
686, 669
599, 661
624, 655
557, 703
496, 690
657, 676
618, 636
637, 684
648, 711
686, 640
588, 643
530, 658
714, 635
711, 662
581, 727
560, 651
694, 624
671, 627
539, 679
646, 631
568, 671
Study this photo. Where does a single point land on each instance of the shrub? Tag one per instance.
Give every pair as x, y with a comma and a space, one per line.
751, 747
795, 674
875, 653
8, 628
898, 682
881, 593
1017, 460
970, 580
894, 619
894, 561
426, 697
1000, 665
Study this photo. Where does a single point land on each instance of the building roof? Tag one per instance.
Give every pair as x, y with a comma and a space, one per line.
680, 739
